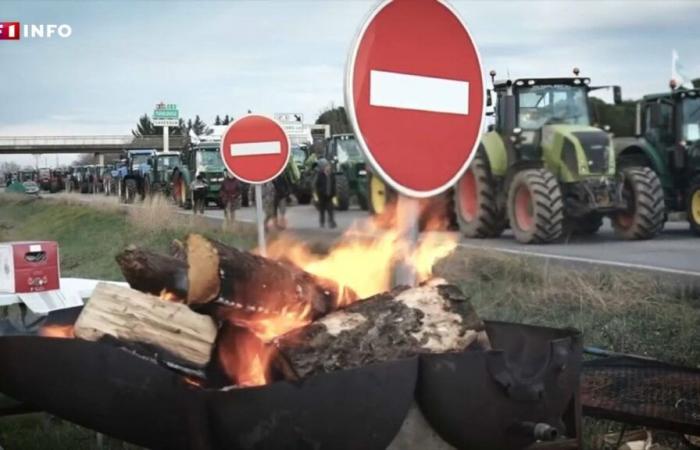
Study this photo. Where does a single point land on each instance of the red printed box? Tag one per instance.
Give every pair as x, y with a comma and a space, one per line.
27, 267
9, 31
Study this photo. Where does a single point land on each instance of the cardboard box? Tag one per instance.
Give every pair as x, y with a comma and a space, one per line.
29, 267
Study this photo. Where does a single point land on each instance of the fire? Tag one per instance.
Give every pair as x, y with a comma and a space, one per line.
244, 357
363, 260
57, 331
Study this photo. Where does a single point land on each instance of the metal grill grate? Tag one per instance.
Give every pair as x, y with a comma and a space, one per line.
643, 392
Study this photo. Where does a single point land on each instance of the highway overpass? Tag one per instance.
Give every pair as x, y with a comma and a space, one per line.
12, 145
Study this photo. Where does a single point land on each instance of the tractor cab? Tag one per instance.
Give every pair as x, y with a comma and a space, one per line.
548, 122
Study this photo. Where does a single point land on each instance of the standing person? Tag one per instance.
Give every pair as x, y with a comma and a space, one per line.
199, 189
230, 195
325, 191
282, 192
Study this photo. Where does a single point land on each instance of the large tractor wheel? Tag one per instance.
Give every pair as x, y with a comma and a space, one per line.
644, 196
694, 205
380, 195
130, 190
535, 207
342, 192
475, 202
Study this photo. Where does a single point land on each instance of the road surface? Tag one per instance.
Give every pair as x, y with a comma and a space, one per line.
675, 252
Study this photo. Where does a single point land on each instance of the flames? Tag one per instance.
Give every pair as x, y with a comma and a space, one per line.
57, 331
363, 260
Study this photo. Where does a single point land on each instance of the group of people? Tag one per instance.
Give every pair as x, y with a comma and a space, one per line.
276, 196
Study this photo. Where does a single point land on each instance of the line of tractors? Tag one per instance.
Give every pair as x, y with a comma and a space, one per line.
547, 169
141, 173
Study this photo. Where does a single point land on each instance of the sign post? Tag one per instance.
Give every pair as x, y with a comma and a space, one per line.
255, 149
166, 116
414, 93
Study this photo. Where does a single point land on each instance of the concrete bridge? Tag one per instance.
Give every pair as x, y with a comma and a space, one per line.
85, 144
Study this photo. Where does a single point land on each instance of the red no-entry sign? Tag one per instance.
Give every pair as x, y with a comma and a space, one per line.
415, 96
255, 149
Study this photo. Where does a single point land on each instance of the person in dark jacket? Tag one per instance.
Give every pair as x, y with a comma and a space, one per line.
199, 188
325, 191
230, 195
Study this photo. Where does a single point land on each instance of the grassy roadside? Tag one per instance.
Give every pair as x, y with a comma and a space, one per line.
89, 237
625, 312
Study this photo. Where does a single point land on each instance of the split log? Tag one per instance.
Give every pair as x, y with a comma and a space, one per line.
394, 325
154, 273
168, 330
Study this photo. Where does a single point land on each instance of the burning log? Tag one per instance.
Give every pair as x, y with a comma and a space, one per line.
237, 284
154, 273
394, 325
170, 330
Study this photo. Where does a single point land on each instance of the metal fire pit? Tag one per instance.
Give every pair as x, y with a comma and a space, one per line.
508, 397
117, 393
352, 409
474, 400
642, 392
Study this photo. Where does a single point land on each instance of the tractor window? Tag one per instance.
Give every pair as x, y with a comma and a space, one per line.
348, 150
552, 104
298, 155
691, 119
209, 160
661, 133
137, 160
169, 162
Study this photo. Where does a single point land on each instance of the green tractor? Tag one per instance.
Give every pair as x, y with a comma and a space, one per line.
668, 142
543, 168
304, 171
343, 152
203, 158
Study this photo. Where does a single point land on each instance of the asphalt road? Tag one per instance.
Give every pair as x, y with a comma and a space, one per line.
675, 252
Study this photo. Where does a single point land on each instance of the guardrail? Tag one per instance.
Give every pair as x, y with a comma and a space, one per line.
64, 143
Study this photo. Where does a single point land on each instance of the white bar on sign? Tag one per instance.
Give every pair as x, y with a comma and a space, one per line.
256, 148
400, 90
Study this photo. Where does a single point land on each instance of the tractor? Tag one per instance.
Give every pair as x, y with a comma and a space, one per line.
203, 158
135, 178
544, 170
305, 169
667, 141
343, 152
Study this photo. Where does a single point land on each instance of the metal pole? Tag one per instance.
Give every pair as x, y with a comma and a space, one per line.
261, 219
166, 138
407, 211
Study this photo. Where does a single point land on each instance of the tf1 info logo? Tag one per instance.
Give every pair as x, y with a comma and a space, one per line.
12, 31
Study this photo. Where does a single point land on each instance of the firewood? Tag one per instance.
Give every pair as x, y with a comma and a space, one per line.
244, 285
154, 273
394, 325
170, 330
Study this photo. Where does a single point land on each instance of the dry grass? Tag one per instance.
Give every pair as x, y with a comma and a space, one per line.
622, 311
157, 213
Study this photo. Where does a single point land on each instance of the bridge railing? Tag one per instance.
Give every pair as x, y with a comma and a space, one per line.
112, 141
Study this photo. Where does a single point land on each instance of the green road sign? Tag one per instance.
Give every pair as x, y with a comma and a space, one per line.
166, 111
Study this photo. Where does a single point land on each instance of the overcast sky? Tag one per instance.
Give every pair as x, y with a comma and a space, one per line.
289, 56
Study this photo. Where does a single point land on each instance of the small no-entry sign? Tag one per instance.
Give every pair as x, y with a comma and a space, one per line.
255, 149
415, 95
